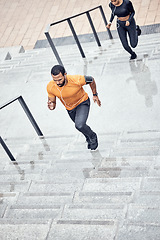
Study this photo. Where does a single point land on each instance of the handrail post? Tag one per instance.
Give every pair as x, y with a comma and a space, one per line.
93, 29
29, 115
75, 37
74, 33
53, 48
7, 149
105, 22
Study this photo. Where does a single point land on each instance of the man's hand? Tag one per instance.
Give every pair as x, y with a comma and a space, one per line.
96, 99
51, 105
94, 91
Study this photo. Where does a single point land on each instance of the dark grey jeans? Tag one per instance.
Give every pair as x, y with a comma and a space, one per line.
132, 33
79, 116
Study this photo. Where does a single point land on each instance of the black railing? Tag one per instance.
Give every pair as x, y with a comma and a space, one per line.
30, 117
74, 32
7, 149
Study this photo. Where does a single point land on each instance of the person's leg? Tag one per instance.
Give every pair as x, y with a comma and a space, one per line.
133, 35
122, 32
82, 112
80, 115
72, 114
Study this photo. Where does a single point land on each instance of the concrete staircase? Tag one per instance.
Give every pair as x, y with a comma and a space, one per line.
110, 51
57, 189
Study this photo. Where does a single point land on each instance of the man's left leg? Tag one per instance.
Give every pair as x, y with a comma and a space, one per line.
81, 113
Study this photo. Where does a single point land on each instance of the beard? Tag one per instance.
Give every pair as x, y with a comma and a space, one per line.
62, 84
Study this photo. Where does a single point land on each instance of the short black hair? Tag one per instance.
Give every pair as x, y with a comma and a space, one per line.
58, 69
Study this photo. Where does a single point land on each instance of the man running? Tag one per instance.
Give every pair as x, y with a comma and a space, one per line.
68, 88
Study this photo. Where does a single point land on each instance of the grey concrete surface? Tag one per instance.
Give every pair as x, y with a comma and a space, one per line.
57, 188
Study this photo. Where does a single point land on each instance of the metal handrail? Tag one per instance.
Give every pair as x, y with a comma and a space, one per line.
7, 149
74, 32
27, 111
29, 115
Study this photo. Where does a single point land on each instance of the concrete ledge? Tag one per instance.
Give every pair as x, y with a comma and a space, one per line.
10, 52
4, 55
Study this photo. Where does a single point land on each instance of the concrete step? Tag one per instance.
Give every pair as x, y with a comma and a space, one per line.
138, 231
57, 188
30, 228
73, 202
27, 59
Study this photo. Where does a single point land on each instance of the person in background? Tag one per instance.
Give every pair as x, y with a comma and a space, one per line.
68, 88
124, 11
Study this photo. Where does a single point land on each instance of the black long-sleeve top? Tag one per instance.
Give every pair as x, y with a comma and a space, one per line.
125, 9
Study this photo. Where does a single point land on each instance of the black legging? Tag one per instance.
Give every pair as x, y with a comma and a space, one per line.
132, 32
79, 116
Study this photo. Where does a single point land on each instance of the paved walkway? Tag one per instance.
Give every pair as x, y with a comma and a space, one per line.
23, 22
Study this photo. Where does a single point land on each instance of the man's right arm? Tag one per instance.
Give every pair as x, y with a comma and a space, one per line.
51, 103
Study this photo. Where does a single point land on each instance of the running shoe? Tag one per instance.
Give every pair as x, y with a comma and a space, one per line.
138, 30
94, 142
133, 56
89, 143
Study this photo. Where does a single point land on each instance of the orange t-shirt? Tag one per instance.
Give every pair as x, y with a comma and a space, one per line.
72, 94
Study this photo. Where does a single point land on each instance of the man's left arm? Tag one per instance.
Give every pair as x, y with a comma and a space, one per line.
90, 80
